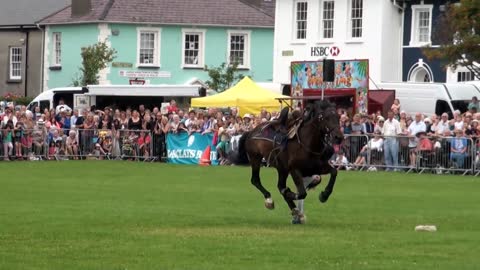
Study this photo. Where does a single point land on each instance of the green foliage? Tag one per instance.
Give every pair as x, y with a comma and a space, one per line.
23, 100
95, 58
16, 99
458, 32
362, 67
223, 76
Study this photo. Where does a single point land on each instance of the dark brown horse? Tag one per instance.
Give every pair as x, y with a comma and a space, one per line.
306, 154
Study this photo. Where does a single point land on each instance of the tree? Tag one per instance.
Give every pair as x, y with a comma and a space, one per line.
95, 58
223, 76
458, 33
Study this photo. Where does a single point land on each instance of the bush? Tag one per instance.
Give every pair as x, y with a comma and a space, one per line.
16, 99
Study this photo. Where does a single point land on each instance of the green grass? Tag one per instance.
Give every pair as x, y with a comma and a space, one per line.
124, 215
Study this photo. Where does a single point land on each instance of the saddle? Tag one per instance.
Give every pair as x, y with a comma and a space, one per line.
286, 126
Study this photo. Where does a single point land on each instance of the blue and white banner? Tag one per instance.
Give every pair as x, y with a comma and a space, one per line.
188, 149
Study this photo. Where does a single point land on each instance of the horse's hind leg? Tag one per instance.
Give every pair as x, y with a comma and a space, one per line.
329, 188
255, 180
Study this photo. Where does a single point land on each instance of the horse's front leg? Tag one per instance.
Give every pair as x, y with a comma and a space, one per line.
301, 183
287, 194
324, 195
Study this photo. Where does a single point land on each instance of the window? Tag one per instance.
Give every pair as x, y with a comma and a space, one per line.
15, 65
193, 48
465, 76
421, 25
239, 48
301, 8
356, 18
57, 49
148, 47
327, 18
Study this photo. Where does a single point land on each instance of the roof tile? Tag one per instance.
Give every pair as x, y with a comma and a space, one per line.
189, 12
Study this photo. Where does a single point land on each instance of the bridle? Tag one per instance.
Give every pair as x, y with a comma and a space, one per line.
325, 132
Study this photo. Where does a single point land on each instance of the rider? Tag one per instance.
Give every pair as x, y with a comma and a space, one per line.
282, 131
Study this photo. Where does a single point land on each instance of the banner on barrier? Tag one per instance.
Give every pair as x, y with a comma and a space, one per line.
188, 149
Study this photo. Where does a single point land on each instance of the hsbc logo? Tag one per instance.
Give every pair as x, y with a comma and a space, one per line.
325, 51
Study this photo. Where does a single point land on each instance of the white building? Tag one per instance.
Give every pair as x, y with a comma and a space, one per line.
307, 30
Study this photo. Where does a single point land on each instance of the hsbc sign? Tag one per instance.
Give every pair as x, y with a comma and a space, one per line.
325, 51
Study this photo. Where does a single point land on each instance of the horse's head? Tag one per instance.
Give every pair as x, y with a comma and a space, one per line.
325, 114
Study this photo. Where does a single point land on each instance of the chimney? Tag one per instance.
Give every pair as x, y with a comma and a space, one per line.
81, 7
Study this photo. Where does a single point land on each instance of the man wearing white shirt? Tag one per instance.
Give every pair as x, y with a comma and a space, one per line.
391, 128
415, 127
442, 125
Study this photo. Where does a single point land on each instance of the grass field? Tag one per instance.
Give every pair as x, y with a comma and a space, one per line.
123, 215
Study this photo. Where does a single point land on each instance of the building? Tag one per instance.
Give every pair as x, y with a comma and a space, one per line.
21, 44
311, 30
421, 19
160, 41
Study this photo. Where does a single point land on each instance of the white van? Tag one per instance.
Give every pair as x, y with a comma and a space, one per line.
114, 95
432, 98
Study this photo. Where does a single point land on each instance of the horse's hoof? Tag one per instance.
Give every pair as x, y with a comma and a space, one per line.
269, 204
323, 197
296, 221
299, 219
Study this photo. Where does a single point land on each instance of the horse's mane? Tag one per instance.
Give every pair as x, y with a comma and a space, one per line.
314, 108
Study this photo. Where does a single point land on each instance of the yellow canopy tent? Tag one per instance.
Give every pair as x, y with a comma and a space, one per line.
246, 95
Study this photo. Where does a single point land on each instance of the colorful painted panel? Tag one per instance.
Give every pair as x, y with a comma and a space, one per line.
349, 74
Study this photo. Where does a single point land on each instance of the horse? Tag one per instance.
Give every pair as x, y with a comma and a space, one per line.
306, 153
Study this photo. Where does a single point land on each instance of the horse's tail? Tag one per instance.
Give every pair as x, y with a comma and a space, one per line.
239, 156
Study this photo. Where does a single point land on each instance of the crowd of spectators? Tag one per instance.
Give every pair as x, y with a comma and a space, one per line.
397, 137
134, 132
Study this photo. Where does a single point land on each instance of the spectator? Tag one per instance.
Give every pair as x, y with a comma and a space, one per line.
172, 108
458, 124
246, 124
414, 128
8, 140
442, 125
474, 104
141, 111
396, 105
160, 130
72, 144
175, 125
390, 130
223, 145
9, 116
144, 144
458, 149
105, 124
375, 144
39, 138
424, 143
472, 130
135, 123
62, 107
18, 135
191, 119
208, 125
369, 125
428, 125
341, 162
347, 127
123, 120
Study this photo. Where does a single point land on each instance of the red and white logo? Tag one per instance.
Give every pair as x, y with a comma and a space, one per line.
334, 51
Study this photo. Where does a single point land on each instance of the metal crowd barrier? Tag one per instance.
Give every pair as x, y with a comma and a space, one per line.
56, 144
403, 153
400, 153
